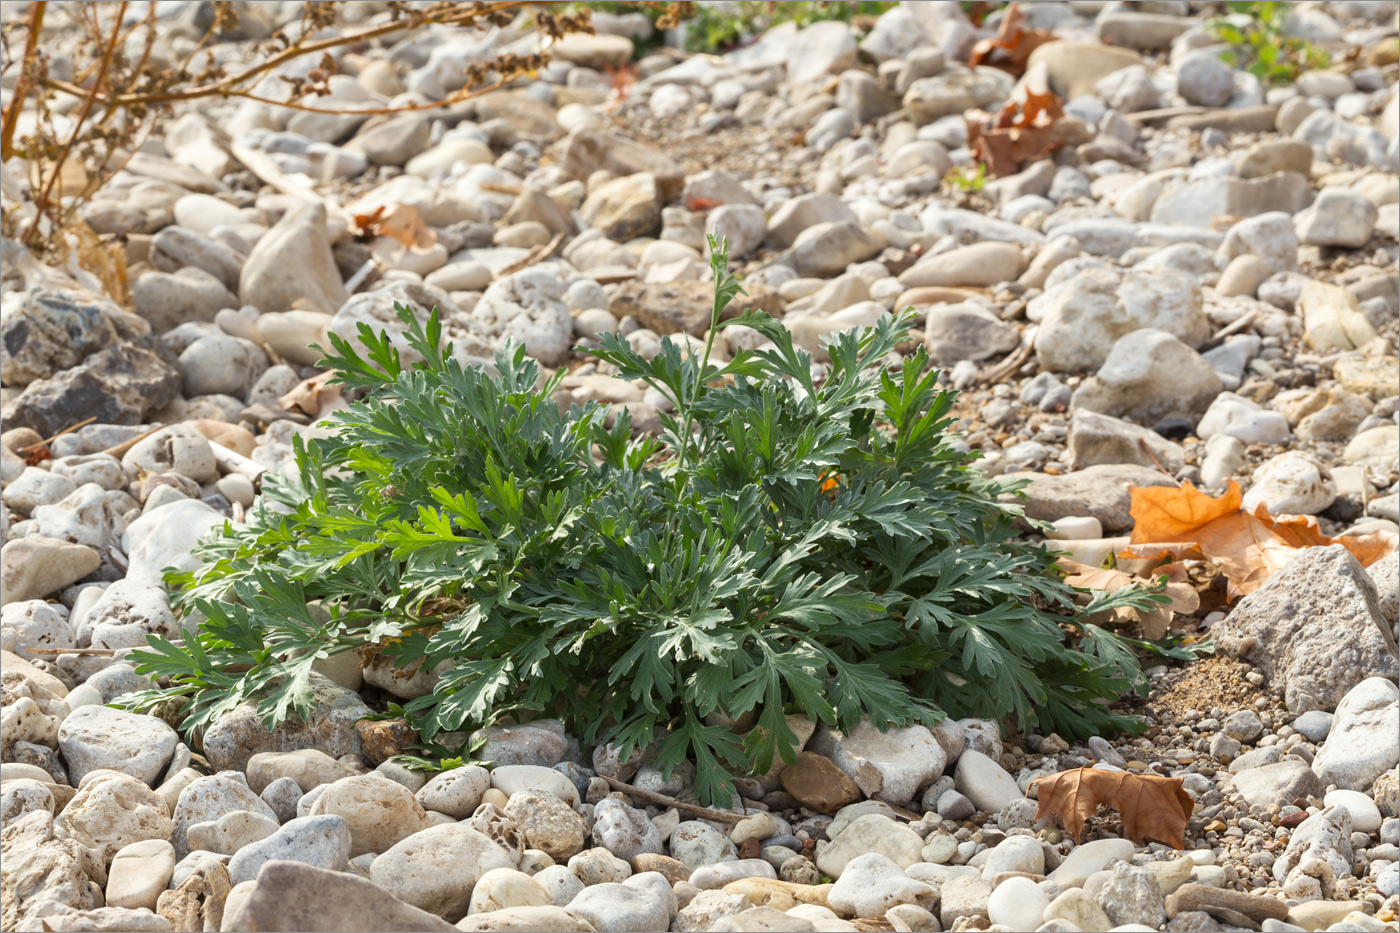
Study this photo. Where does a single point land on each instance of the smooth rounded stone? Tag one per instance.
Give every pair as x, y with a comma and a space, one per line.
1291, 484
99, 737
1243, 276
36, 624
1277, 783
1243, 419
560, 882
966, 331
501, 888
980, 265
1149, 375
1204, 79
282, 796
139, 873
302, 897
378, 811
985, 782
641, 904
512, 779
222, 365
113, 811
231, 832
624, 830
436, 868
742, 226
1017, 904
1339, 217
456, 793
1078, 908
546, 919
758, 827
36, 487
1015, 853
191, 294
1364, 741
205, 799
713, 877
871, 884
291, 334
21, 796
232, 740
1314, 725
891, 765
176, 449
871, 833
34, 567
548, 824
695, 844
1365, 815
308, 767
446, 154
1090, 857
542, 743
826, 249
1314, 666
293, 262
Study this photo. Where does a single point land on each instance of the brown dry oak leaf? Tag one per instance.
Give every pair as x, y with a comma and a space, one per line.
1012, 46
1154, 624
1153, 808
1021, 133
1250, 547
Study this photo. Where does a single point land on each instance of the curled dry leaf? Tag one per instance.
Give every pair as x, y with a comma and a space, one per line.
1154, 624
311, 395
1250, 547
1011, 48
400, 222
1153, 808
1023, 132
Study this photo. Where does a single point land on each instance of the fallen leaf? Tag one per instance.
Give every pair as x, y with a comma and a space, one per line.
1153, 808
1152, 625
1021, 133
400, 222
1188, 524
1010, 49
310, 395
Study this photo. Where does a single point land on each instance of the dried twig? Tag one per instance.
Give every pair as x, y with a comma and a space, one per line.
1013, 362
651, 796
1153, 457
68, 430
119, 450
536, 255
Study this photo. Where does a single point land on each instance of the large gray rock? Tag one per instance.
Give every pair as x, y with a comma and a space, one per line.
1082, 318
642, 903
1150, 375
322, 841
1364, 740
239, 734
1096, 438
1279, 783
436, 869
1100, 491
94, 737
119, 385
890, 765
42, 867
293, 261
1314, 629
48, 330
292, 896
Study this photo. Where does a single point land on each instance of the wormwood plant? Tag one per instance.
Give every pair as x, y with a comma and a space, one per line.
781, 546
1258, 45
